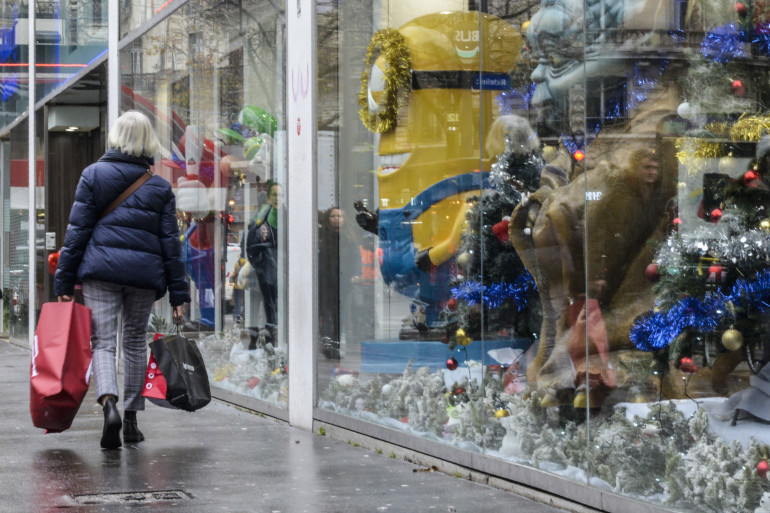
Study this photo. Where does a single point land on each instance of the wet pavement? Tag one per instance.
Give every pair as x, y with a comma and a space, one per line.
217, 459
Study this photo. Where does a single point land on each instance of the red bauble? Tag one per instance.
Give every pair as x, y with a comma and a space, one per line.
737, 87
750, 177
452, 304
716, 215
687, 366
451, 364
716, 274
253, 382
501, 231
762, 469
459, 391
741, 9
677, 222
652, 273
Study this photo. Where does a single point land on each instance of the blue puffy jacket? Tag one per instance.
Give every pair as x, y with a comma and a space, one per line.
137, 244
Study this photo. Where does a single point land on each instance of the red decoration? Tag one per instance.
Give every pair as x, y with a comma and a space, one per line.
253, 382
749, 177
452, 304
579, 155
459, 391
737, 87
452, 364
687, 366
652, 273
717, 274
762, 469
53, 263
741, 9
501, 231
405, 420
716, 215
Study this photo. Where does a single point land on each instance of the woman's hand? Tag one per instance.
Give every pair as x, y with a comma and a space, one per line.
178, 314
65, 298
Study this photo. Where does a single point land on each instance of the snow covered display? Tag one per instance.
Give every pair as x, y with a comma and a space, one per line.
260, 373
665, 452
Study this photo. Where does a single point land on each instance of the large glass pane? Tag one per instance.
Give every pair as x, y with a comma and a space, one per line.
18, 234
543, 237
69, 35
428, 314
14, 61
217, 100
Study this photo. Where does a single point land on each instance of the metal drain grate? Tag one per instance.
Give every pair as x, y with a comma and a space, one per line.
132, 497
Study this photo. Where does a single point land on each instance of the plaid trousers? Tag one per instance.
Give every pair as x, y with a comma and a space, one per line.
106, 301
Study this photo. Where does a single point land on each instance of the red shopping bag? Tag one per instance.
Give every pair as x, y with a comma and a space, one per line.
61, 365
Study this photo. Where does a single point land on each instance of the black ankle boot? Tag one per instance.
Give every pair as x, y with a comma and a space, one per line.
112, 425
131, 431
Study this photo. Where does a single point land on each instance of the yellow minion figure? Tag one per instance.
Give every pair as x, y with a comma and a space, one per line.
429, 91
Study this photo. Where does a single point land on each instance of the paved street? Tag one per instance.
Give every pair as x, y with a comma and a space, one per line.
217, 459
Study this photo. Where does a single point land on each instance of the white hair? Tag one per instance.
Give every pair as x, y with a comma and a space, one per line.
133, 134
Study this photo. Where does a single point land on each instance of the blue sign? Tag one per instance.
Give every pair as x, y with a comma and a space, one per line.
494, 81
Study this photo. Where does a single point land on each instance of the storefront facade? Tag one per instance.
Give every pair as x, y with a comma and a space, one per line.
527, 239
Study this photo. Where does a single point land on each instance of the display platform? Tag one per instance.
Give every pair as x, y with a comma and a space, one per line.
391, 356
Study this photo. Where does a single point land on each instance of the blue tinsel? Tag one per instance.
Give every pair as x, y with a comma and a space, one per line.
495, 294
726, 42
657, 329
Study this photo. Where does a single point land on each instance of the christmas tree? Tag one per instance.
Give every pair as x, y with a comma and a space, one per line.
494, 292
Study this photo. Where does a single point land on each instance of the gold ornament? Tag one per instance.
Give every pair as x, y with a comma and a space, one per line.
764, 225
525, 26
727, 164
460, 334
397, 78
732, 339
501, 413
465, 341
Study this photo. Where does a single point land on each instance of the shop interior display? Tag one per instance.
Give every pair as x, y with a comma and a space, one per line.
430, 66
261, 373
632, 258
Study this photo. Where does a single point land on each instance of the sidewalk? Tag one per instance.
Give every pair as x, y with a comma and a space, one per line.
217, 459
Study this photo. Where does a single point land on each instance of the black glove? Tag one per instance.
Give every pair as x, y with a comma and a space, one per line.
367, 220
422, 260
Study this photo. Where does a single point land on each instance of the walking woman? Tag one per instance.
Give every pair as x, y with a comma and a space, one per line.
125, 261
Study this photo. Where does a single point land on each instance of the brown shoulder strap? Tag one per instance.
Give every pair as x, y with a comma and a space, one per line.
128, 192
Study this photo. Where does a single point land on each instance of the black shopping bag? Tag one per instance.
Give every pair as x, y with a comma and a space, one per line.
181, 364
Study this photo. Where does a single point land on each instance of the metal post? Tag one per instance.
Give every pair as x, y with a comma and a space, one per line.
32, 178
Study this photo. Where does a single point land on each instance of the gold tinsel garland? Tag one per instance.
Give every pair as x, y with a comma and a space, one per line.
393, 48
746, 129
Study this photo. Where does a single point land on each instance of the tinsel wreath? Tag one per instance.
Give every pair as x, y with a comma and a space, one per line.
658, 329
397, 76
